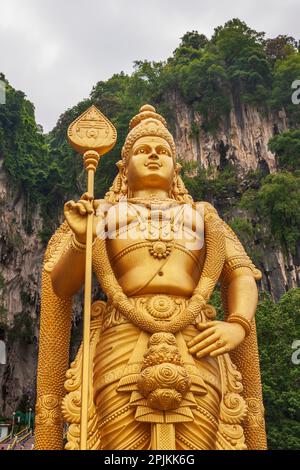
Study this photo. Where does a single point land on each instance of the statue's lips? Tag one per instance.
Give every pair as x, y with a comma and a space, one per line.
153, 166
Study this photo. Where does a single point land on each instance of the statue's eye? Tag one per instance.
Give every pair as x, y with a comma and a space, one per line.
141, 151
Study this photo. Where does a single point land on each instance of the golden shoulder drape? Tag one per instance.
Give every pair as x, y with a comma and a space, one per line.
54, 341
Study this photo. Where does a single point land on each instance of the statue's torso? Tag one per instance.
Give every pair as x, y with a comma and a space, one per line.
138, 250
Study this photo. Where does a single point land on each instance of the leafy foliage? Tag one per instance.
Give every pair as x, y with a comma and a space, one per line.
22, 143
280, 48
278, 200
278, 327
243, 228
242, 50
211, 184
286, 71
286, 146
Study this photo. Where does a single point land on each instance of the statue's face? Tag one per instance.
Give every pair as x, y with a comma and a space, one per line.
150, 164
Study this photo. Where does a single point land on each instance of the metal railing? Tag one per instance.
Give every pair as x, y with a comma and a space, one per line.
19, 437
6, 438
13, 444
25, 437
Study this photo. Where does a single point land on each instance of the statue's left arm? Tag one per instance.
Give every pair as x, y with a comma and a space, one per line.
237, 334
238, 278
239, 295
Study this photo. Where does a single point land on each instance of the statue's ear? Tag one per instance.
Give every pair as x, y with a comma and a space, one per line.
120, 165
178, 168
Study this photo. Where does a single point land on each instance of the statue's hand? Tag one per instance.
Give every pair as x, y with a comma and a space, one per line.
217, 337
76, 215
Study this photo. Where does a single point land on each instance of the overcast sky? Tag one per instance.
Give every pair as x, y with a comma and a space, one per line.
56, 50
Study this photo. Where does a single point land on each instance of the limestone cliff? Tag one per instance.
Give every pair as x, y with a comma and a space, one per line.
242, 140
21, 257
20, 254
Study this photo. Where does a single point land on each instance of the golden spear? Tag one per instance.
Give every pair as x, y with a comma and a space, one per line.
92, 135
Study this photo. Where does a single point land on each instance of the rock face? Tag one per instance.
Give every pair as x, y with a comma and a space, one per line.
21, 255
280, 273
241, 140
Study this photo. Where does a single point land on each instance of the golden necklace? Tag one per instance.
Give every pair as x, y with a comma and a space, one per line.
160, 235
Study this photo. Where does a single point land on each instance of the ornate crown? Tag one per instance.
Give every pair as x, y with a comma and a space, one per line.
147, 123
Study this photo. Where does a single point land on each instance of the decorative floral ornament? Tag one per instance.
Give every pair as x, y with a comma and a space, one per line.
164, 380
160, 249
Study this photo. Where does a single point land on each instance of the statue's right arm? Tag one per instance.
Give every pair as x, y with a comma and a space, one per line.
67, 275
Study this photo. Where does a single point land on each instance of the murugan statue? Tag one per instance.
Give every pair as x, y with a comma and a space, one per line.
165, 373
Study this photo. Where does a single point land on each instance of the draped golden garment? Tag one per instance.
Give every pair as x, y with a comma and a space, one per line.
119, 428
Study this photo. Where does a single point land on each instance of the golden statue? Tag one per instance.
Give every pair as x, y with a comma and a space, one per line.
160, 371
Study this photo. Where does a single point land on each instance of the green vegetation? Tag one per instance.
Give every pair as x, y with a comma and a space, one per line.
278, 327
22, 144
243, 52
210, 184
286, 147
286, 71
278, 200
243, 228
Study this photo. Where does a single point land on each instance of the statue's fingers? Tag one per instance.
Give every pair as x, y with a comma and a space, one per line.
200, 337
219, 351
69, 205
206, 351
203, 344
86, 197
87, 205
203, 325
80, 208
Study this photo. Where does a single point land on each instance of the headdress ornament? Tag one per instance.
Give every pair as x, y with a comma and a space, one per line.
147, 123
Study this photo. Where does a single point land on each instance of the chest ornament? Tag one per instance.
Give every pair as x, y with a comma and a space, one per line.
160, 249
158, 227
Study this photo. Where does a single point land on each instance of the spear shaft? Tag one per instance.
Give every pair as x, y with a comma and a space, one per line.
92, 135
90, 161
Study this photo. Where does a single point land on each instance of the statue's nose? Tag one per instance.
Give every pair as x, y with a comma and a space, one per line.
153, 155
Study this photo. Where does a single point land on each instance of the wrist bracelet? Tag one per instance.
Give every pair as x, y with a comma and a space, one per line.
76, 244
241, 320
